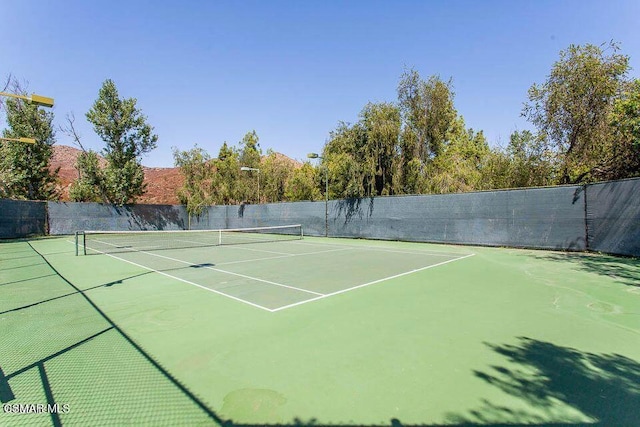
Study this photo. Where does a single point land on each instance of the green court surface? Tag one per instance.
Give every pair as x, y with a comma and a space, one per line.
318, 332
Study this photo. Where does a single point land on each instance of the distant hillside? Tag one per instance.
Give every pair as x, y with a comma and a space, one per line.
162, 183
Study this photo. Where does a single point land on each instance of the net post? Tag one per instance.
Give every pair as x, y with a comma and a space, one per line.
220, 237
301, 232
76, 239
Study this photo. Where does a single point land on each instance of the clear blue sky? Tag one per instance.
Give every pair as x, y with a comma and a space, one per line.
209, 71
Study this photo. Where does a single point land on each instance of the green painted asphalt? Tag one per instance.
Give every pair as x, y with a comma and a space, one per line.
504, 336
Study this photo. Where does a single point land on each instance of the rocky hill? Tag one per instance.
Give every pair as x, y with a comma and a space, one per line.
162, 183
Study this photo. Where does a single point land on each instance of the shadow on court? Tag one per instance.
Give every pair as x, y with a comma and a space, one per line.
102, 285
604, 387
6, 393
97, 367
623, 270
27, 279
18, 267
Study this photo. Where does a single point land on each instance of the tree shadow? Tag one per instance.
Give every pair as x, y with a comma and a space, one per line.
112, 283
352, 209
589, 376
153, 217
158, 382
603, 387
623, 270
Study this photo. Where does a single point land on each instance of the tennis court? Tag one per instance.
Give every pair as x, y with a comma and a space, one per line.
315, 331
271, 270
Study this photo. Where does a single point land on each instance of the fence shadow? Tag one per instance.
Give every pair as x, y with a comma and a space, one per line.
623, 270
579, 379
603, 387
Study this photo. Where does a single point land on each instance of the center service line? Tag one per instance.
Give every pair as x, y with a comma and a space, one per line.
370, 283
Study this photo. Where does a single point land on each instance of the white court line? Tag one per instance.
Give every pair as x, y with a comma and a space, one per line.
369, 283
373, 248
188, 282
376, 248
231, 246
253, 249
222, 271
319, 297
282, 256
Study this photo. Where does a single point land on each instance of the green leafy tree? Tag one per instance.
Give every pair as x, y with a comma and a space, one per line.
573, 107
428, 116
197, 190
429, 113
362, 158
226, 176
531, 161
349, 174
381, 123
625, 120
25, 171
127, 136
460, 165
496, 170
276, 170
409, 171
303, 184
250, 156
90, 186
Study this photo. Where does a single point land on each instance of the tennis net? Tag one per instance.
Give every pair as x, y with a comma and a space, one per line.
105, 242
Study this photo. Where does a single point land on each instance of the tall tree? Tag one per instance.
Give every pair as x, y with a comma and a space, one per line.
25, 168
195, 166
250, 156
531, 162
429, 113
625, 119
381, 123
361, 158
127, 136
90, 185
460, 165
349, 174
302, 185
226, 176
276, 170
572, 108
428, 117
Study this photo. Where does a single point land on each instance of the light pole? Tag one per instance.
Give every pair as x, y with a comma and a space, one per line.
24, 140
245, 168
326, 193
42, 101
39, 100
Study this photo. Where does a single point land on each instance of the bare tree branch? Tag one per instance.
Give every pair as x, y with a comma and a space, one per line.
70, 130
